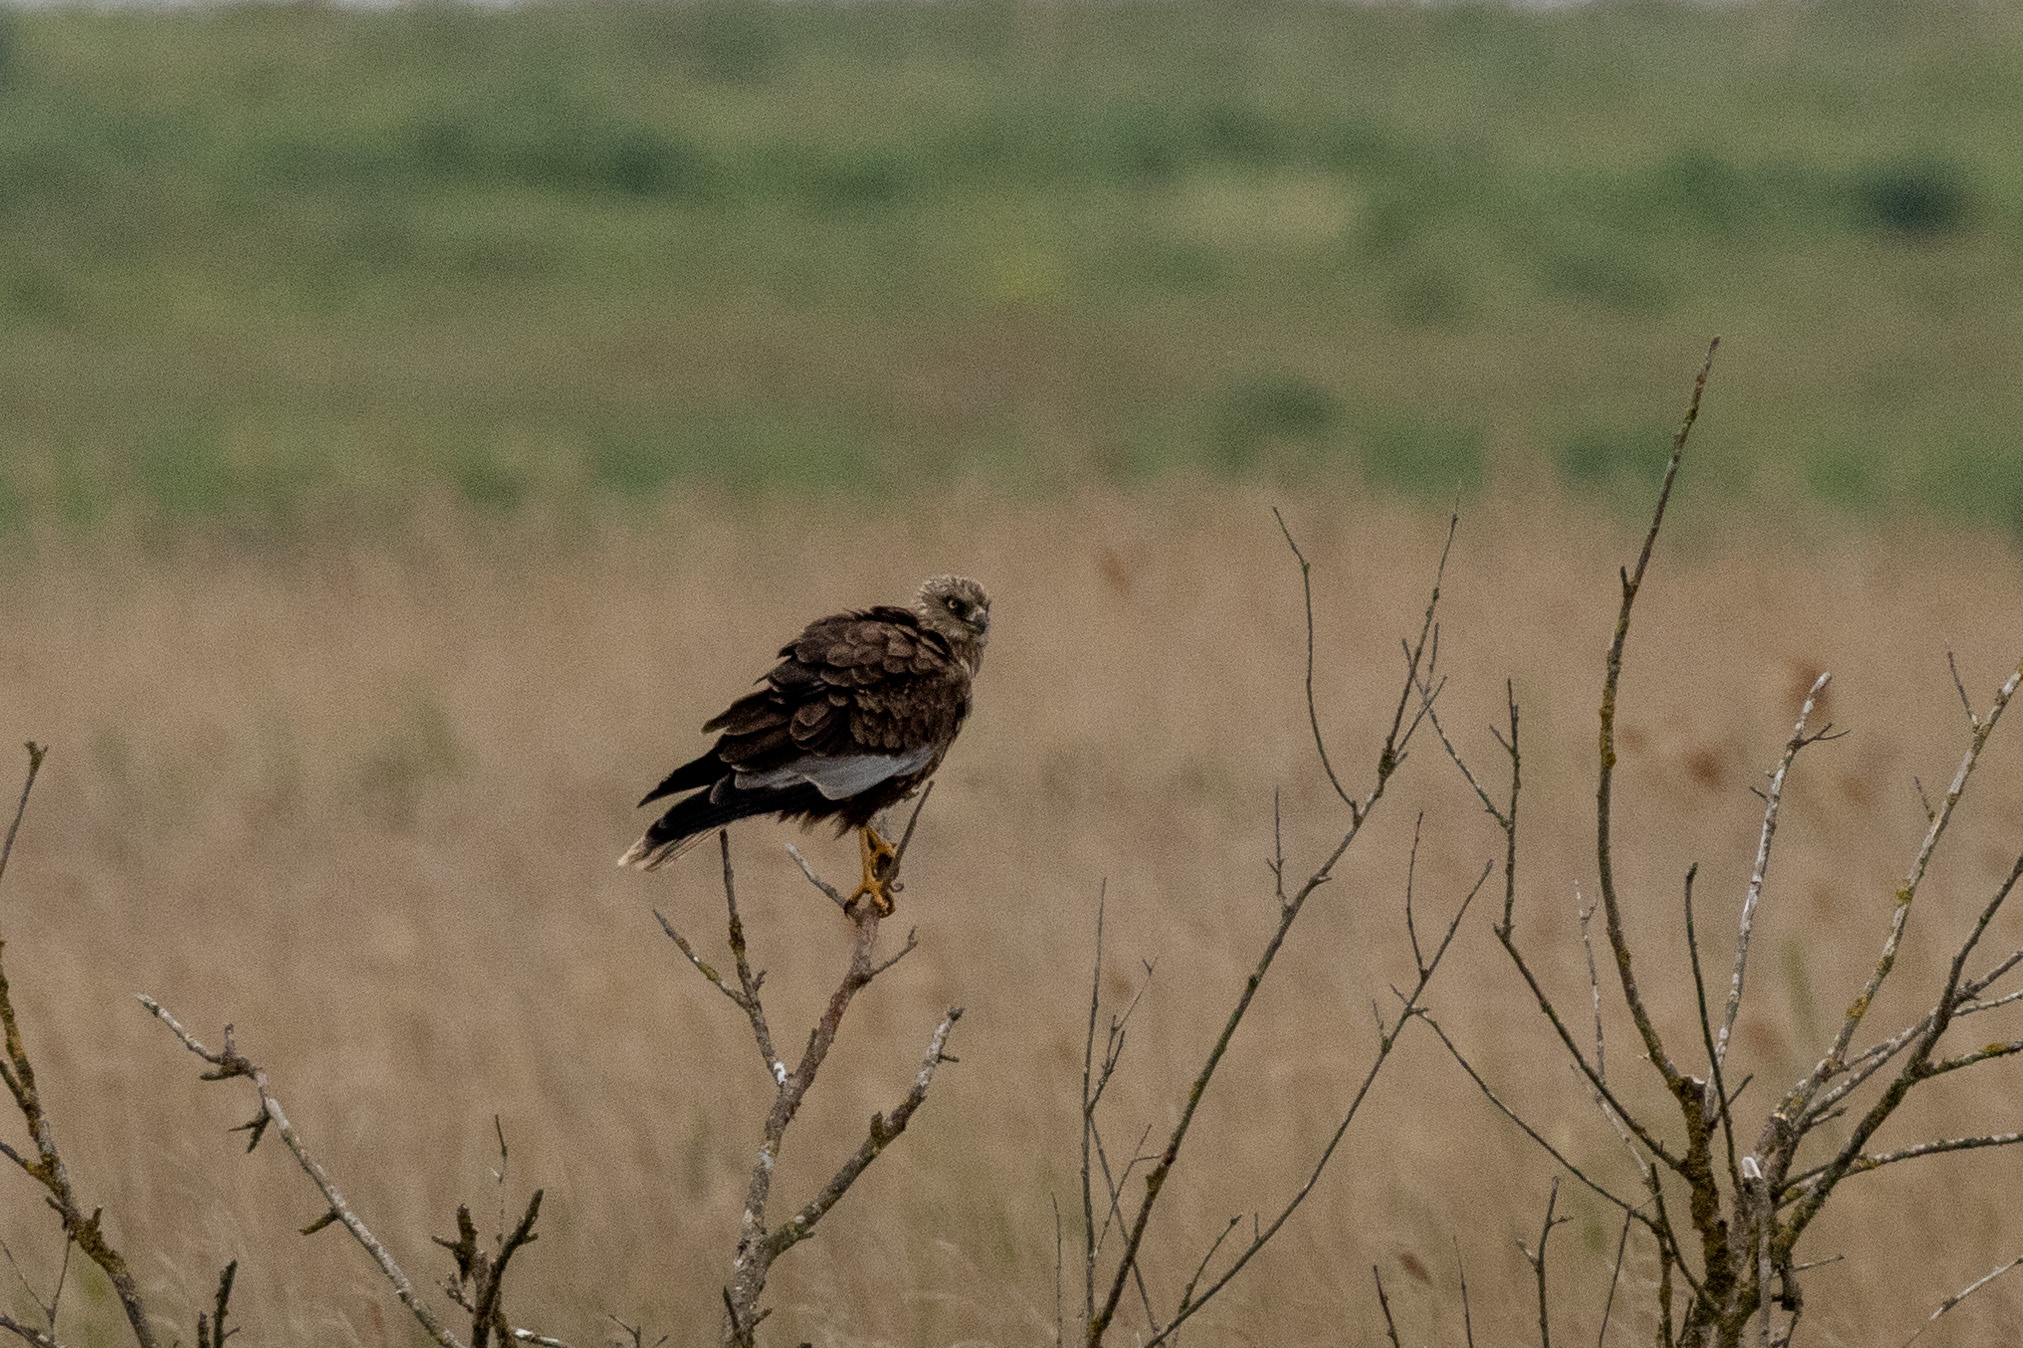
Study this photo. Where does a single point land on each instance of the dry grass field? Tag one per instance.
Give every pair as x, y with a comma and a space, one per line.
365, 803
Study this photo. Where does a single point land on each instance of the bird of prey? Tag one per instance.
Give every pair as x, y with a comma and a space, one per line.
856, 716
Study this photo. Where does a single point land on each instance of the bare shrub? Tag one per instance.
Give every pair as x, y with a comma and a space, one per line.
1726, 1200
1107, 1280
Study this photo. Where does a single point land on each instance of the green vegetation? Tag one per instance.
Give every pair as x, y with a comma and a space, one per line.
264, 264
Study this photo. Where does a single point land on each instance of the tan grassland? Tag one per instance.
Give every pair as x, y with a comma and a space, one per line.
365, 803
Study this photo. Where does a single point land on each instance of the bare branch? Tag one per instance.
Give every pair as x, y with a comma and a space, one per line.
1907, 891
1388, 1040
1616, 1277
28, 1332
211, 1331
229, 1063
1754, 893
1966, 703
1593, 983
1645, 1137
1716, 1105
1411, 871
1959, 1296
1536, 1258
1313, 712
1863, 1163
1089, 1097
48, 1168
1467, 1320
1518, 1119
835, 894
1454, 755
1390, 1327
1917, 1065
36, 753
637, 1333
884, 1128
912, 820
758, 1247
1605, 784
1187, 1293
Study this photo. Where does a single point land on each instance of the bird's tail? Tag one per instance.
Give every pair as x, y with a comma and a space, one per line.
692, 818
650, 853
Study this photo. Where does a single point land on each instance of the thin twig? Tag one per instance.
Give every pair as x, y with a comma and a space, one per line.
1187, 1293
1960, 1296
1536, 1258
906, 838
1622, 1245
1966, 703
834, 894
1518, 1119
1467, 1320
1717, 1102
1750, 897
36, 753
1262, 1235
1313, 712
1089, 1096
884, 1128
1411, 871
1593, 982
1632, 583
1390, 1327
1060, 1323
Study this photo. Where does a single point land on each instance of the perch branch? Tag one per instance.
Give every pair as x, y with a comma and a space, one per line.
758, 1246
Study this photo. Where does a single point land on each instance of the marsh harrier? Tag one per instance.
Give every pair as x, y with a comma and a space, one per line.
856, 716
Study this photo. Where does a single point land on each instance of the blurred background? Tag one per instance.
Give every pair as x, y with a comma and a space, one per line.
415, 421
268, 265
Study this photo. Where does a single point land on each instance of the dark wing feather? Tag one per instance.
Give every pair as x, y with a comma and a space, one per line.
870, 681
699, 771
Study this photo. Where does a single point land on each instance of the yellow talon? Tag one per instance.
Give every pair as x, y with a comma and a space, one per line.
877, 855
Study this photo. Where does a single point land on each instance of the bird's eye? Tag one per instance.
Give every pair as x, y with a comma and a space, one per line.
954, 605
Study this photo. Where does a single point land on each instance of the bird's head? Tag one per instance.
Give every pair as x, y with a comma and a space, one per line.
957, 608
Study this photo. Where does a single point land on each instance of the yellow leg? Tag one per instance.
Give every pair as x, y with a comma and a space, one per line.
876, 854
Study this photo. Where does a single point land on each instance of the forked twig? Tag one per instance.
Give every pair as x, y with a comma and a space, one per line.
1536, 1258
